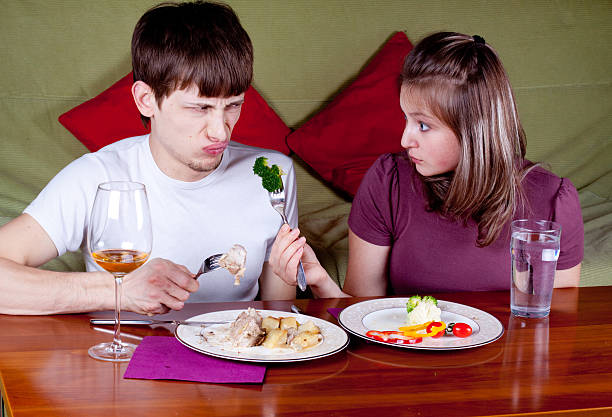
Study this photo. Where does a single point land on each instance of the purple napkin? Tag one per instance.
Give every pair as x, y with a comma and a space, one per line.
334, 311
163, 357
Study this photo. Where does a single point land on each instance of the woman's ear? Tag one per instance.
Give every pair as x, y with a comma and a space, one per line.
144, 98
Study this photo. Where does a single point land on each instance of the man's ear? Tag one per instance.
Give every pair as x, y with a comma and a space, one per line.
144, 98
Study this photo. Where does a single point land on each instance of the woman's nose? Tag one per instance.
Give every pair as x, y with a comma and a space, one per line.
408, 139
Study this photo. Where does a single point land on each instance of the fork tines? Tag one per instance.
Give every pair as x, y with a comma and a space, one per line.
213, 261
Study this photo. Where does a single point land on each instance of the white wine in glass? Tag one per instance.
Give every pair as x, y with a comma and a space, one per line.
119, 239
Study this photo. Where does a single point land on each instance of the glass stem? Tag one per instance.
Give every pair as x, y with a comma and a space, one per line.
117, 336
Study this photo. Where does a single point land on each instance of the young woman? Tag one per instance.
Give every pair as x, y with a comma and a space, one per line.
437, 216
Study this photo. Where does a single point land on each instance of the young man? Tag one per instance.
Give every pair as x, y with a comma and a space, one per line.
192, 63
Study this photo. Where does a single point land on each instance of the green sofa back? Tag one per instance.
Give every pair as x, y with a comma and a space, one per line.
57, 54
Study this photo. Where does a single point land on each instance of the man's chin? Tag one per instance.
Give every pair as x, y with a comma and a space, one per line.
205, 166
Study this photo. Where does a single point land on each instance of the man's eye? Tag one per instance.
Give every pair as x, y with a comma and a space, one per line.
423, 127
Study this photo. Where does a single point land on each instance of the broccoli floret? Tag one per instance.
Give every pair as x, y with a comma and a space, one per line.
430, 299
412, 302
270, 176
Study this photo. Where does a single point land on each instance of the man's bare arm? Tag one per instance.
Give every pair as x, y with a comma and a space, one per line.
24, 289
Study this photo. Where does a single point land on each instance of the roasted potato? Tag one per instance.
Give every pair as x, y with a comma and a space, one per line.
275, 338
305, 340
287, 322
309, 326
269, 323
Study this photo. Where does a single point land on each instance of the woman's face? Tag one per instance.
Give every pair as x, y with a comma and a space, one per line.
431, 145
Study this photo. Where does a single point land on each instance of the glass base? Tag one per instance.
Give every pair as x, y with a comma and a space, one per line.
530, 312
110, 352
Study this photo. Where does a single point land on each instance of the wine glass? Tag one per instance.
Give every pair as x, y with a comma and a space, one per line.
119, 239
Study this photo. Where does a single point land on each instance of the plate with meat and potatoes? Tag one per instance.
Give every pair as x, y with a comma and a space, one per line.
263, 336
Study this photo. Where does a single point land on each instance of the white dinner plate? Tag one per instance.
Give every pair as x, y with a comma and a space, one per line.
390, 314
334, 339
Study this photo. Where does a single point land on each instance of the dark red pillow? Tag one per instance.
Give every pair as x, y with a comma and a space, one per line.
362, 122
113, 115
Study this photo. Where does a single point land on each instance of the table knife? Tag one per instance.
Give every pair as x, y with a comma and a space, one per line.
301, 277
149, 322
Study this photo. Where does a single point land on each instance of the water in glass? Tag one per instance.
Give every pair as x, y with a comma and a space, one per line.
534, 259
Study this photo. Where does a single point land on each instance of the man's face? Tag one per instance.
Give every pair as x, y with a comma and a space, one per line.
189, 133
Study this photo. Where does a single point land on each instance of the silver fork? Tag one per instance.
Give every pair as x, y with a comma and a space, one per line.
277, 200
210, 264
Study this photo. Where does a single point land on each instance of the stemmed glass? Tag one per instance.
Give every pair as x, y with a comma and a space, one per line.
119, 239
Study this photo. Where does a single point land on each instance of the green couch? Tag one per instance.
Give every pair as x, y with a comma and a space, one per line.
57, 54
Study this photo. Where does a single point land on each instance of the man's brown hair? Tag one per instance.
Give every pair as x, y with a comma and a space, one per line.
177, 45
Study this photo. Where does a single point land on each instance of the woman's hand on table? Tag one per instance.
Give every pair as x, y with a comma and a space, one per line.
288, 249
158, 287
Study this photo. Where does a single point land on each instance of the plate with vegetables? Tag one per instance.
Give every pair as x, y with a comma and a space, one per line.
421, 323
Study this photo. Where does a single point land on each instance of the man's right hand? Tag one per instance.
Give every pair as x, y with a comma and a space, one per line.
157, 287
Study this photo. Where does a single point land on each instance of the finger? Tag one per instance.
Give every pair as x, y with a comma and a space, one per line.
291, 257
287, 238
182, 279
292, 265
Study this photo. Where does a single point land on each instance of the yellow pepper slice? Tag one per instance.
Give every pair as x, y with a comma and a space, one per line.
415, 327
412, 331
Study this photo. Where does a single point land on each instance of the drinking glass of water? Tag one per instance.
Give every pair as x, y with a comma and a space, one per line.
534, 249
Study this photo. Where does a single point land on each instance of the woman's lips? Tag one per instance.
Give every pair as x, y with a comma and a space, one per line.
416, 161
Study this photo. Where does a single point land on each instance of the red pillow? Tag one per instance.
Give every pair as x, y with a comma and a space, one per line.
362, 122
113, 115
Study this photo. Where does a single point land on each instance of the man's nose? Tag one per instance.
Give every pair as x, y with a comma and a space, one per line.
217, 128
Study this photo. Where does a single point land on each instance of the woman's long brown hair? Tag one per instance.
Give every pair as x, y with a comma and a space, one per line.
462, 81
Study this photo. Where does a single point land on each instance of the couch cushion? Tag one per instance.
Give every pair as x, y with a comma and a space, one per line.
112, 115
361, 123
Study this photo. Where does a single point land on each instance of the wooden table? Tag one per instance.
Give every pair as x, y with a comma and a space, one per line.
562, 364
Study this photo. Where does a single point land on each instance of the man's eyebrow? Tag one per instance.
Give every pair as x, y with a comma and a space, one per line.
208, 104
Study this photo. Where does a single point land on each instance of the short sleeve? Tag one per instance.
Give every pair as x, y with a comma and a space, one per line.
567, 212
62, 207
371, 212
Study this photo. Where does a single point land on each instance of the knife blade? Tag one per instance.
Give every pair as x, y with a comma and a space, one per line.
149, 322
301, 277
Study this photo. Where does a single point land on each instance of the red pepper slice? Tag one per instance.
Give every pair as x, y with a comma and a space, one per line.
390, 336
437, 328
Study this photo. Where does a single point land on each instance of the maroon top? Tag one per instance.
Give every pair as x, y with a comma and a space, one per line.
430, 253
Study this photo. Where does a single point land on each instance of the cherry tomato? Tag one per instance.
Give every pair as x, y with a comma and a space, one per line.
435, 324
462, 330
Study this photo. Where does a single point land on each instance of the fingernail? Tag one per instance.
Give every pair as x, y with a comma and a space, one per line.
285, 228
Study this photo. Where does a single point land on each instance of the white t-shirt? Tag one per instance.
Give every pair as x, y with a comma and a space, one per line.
191, 220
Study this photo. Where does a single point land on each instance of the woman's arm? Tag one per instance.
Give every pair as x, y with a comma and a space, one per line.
367, 268
271, 287
288, 249
568, 277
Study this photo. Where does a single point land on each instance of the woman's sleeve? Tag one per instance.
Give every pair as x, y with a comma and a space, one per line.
569, 215
370, 216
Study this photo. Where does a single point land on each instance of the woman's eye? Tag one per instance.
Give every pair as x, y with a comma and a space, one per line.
423, 127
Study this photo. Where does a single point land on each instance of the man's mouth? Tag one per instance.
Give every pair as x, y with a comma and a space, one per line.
215, 149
